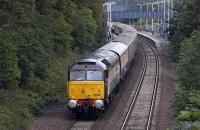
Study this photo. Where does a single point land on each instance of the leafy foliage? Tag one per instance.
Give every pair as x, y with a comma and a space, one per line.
188, 67
186, 21
187, 105
186, 125
83, 41
38, 41
9, 71
185, 48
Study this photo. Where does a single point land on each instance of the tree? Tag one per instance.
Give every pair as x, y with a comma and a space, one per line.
38, 41
188, 67
186, 21
9, 71
84, 31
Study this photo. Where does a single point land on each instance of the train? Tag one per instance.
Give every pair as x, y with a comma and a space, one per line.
93, 81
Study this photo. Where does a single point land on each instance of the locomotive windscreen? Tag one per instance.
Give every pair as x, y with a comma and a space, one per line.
86, 75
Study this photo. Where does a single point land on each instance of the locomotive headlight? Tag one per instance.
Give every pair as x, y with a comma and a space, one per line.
98, 104
72, 103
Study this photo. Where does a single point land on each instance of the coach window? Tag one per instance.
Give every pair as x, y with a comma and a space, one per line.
77, 75
94, 75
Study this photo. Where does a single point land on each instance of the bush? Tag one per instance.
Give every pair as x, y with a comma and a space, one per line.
187, 125
187, 109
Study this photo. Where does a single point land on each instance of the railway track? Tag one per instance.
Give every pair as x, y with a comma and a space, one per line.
83, 122
140, 112
82, 125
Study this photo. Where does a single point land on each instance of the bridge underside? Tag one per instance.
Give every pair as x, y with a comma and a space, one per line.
135, 15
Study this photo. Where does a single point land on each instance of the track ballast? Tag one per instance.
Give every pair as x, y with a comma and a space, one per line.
140, 112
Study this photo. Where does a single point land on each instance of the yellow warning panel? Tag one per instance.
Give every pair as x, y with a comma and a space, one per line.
86, 90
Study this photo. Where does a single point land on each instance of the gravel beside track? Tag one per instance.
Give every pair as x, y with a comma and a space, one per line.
165, 111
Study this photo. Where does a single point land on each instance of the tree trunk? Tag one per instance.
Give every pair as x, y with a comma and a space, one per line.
33, 6
42, 7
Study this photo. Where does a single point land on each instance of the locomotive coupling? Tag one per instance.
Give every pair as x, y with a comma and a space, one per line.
72, 104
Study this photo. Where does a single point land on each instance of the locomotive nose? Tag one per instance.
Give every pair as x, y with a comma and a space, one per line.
72, 104
98, 104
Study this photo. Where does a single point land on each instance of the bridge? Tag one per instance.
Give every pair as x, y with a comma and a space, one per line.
160, 16
138, 15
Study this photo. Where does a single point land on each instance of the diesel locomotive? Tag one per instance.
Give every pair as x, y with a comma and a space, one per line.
94, 80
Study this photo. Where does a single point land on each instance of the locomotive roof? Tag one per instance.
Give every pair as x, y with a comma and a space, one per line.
88, 64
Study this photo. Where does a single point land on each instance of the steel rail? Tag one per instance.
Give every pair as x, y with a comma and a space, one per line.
136, 93
150, 114
153, 100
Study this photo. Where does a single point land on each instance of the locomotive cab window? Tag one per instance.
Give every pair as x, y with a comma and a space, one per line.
86, 75
94, 75
77, 75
